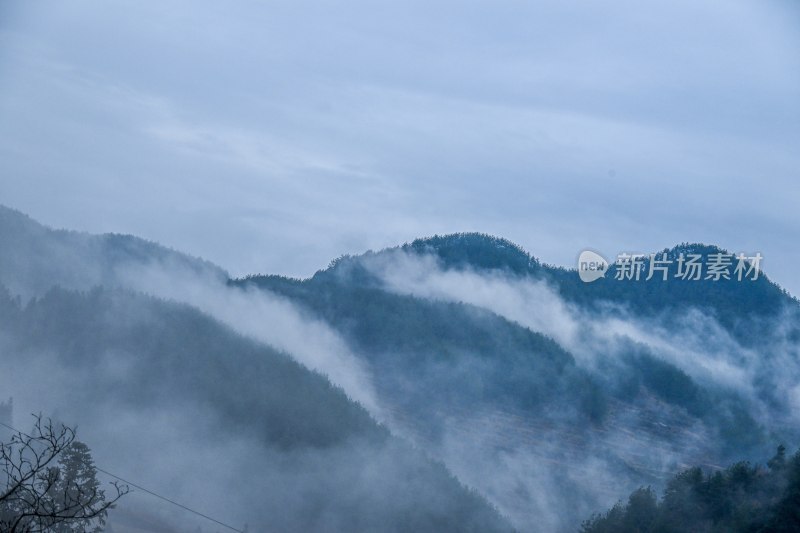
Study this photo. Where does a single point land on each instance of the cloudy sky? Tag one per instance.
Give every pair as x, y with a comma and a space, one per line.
274, 136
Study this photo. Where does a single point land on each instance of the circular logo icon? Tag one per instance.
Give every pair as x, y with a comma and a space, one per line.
591, 266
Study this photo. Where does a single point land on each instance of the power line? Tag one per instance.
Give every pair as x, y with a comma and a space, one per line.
173, 502
148, 491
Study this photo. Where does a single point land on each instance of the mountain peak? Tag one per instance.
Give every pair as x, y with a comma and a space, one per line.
477, 250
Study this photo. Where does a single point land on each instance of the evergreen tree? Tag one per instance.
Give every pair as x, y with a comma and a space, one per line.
743, 498
77, 482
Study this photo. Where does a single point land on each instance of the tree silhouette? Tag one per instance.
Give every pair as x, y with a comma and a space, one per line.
48, 483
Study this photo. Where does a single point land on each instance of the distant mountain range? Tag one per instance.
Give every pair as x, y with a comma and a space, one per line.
453, 383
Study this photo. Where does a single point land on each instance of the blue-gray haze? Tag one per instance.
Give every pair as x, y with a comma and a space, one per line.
272, 136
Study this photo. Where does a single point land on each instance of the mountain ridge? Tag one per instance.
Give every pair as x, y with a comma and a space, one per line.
440, 326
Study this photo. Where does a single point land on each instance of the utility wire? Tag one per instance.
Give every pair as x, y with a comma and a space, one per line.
148, 491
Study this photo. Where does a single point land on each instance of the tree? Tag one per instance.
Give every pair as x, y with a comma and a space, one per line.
743, 498
48, 483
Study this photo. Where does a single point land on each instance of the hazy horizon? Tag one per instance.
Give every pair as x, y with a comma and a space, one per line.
273, 137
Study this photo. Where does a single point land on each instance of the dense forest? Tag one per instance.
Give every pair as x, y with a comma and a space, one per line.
743, 498
452, 342
505, 393
304, 448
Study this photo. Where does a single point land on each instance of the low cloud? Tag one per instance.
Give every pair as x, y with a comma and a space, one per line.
265, 317
529, 468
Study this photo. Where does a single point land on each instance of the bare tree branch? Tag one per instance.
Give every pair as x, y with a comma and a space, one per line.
48, 483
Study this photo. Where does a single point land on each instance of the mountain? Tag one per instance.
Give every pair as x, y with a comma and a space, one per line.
175, 400
495, 361
729, 300
493, 376
36, 258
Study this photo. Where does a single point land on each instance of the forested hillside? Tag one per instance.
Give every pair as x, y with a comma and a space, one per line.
495, 391
741, 498
181, 403
447, 351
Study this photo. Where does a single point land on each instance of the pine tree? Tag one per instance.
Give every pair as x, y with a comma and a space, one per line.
77, 482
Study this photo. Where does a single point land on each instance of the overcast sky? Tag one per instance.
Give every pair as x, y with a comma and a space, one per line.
274, 136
